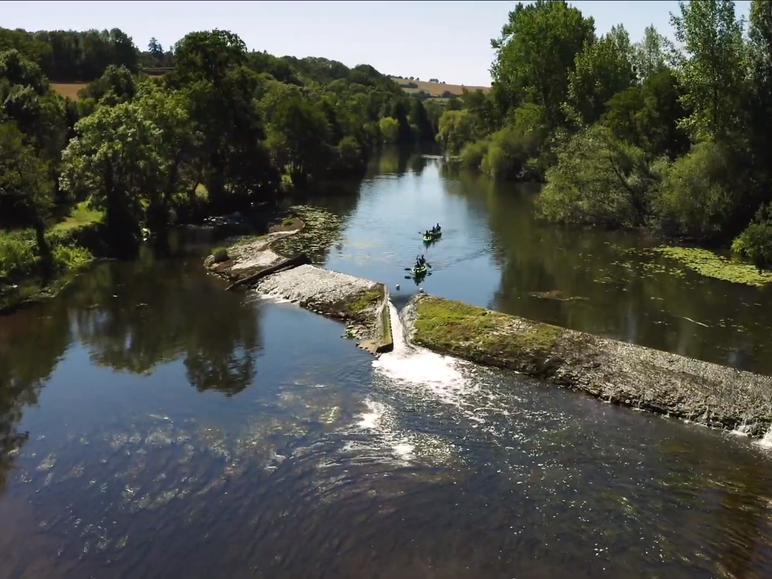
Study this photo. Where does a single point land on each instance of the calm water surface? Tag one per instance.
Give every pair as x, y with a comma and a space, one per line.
153, 425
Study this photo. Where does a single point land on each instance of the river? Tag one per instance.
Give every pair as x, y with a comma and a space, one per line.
153, 425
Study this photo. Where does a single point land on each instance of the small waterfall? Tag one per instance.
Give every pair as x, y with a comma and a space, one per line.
410, 366
766, 441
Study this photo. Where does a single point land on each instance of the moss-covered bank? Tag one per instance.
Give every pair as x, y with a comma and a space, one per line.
618, 372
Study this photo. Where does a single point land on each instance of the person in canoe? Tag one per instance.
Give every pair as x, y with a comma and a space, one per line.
436, 228
420, 262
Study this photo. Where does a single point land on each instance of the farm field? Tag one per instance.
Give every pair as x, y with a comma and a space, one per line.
434, 89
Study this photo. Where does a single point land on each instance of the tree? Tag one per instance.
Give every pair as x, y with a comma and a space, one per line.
116, 154
154, 47
457, 128
649, 115
649, 56
537, 48
208, 55
25, 185
167, 111
301, 138
389, 129
598, 180
419, 121
601, 70
713, 68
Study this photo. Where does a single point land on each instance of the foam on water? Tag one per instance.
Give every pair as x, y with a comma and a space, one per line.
766, 441
382, 425
417, 368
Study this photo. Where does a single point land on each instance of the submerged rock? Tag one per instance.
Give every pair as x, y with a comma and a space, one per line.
617, 372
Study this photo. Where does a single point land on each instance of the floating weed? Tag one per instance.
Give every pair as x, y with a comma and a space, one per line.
713, 265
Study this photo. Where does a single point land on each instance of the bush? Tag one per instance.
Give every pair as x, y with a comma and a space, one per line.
693, 199
473, 153
220, 255
69, 257
755, 243
389, 129
456, 129
513, 151
17, 254
598, 180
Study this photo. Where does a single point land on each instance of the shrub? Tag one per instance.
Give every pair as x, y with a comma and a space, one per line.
755, 242
17, 254
513, 151
598, 180
693, 199
473, 153
69, 257
389, 128
220, 255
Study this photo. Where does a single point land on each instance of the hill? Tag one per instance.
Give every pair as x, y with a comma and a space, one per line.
433, 88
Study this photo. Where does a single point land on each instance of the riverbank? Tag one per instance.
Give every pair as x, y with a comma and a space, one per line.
617, 372
23, 279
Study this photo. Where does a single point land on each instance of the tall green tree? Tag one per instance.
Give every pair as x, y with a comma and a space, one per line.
537, 48
117, 153
600, 71
649, 55
712, 67
25, 185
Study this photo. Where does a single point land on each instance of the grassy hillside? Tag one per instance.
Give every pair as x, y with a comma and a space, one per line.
434, 89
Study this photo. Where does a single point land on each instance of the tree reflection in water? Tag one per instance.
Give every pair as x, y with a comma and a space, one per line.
32, 342
133, 317
136, 316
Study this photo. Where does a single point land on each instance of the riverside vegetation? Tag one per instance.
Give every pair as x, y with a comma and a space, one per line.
634, 135
224, 129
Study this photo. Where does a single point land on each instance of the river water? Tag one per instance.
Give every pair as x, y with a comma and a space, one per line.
153, 425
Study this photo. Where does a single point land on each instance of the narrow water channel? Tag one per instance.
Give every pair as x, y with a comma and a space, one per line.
167, 428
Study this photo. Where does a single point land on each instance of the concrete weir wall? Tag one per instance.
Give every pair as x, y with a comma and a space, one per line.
618, 372
361, 303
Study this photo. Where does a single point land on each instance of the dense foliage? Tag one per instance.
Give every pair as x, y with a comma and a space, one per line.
632, 134
207, 127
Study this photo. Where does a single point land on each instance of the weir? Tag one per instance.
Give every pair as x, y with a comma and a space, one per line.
614, 371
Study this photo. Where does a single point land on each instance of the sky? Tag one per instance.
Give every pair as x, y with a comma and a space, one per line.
447, 40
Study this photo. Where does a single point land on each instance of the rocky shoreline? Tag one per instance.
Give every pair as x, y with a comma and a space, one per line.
617, 372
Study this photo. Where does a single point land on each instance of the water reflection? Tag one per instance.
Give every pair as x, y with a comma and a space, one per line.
325, 464
29, 352
604, 283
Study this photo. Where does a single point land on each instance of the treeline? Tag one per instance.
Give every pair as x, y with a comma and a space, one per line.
630, 135
227, 129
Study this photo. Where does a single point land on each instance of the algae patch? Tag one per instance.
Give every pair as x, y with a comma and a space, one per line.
709, 264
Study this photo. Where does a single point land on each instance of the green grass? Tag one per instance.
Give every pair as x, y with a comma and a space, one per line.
712, 265
363, 302
477, 334
81, 215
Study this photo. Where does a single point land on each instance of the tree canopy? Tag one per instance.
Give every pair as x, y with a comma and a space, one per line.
670, 136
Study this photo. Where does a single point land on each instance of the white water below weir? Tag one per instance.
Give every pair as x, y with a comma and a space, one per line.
415, 367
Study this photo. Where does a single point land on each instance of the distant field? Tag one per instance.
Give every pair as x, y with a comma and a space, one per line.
69, 89
435, 90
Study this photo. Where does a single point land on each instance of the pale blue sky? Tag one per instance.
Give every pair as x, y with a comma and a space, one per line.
445, 40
